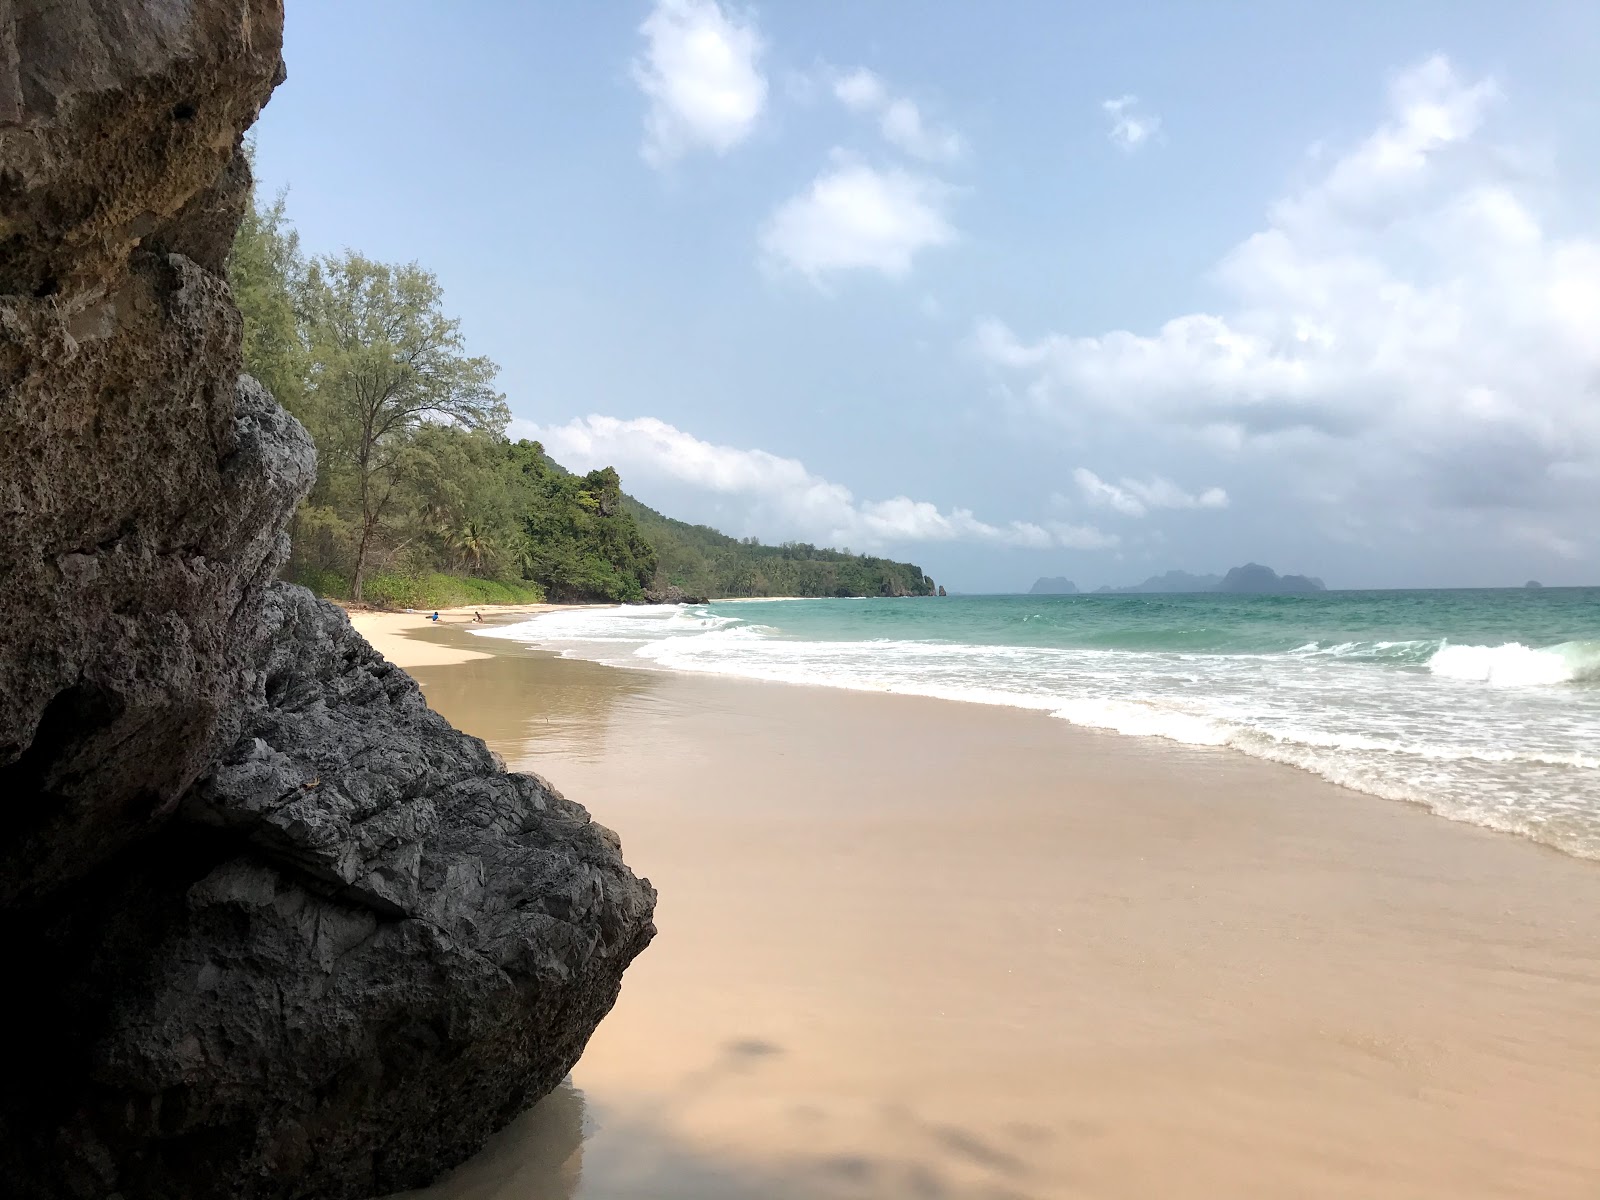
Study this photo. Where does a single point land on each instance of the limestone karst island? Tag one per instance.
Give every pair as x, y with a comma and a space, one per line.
518, 672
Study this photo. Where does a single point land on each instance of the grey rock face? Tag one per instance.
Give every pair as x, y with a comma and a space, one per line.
363, 947
137, 529
670, 593
278, 930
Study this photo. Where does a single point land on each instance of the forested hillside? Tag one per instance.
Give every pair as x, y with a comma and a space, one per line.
421, 500
702, 562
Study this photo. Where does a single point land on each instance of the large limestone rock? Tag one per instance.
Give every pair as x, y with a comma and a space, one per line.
141, 510
276, 930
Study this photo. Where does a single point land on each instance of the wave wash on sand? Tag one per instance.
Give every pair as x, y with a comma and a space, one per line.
918, 948
1373, 691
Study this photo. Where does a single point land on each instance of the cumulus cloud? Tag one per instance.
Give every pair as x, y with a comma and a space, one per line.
782, 491
1129, 128
1135, 498
899, 119
857, 217
701, 72
1408, 319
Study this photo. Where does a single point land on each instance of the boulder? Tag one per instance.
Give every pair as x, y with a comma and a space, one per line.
670, 593
279, 930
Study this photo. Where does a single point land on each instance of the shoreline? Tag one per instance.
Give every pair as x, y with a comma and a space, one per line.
390, 633
430, 652
916, 947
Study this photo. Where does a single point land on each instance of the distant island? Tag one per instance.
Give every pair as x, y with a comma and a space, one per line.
1533, 585
1054, 585
1252, 579
1172, 581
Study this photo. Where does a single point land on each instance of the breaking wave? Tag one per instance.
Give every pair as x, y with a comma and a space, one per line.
1506, 736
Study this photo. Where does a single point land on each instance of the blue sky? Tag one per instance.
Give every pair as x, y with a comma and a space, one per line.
1011, 289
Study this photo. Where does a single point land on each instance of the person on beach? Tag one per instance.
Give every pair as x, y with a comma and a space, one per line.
477, 616
435, 617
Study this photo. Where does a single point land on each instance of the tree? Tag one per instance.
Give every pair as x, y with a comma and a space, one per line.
474, 544
384, 361
416, 478
264, 270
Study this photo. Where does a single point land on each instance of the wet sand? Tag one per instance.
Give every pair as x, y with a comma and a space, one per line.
912, 948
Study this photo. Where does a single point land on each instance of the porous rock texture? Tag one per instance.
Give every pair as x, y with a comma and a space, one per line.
274, 928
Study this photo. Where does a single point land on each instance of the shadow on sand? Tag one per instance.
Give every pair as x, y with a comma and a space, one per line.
568, 1148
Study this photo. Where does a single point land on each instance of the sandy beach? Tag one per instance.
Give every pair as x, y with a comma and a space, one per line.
913, 948
387, 631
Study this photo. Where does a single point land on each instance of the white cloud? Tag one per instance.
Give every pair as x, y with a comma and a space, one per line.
1134, 498
1081, 537
1129, 128
899, 119
861, 90
856, 217
782, 491
1407, 322
701, 70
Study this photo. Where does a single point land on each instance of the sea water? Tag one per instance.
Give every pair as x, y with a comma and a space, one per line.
1482, 705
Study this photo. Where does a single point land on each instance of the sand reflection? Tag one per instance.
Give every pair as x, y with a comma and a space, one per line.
559, 708
637, 1149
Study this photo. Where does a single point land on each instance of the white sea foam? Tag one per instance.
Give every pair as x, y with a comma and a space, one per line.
1396, 718
1516, 665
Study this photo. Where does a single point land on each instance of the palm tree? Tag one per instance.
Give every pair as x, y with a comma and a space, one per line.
474, 544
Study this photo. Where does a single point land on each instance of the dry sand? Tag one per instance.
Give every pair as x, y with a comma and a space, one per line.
390, 633
912, 948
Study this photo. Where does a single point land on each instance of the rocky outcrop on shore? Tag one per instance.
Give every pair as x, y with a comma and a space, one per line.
670, 593
278, 930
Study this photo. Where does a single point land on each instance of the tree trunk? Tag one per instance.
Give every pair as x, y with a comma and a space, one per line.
358, 580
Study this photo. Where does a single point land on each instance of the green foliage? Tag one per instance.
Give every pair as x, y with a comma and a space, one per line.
704, 562
384, 361
324, 583
420, 500
579, 538
264, 270
435, 590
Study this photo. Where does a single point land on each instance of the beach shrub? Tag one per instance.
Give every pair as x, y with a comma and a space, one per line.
436, 590
391, 589
329, 584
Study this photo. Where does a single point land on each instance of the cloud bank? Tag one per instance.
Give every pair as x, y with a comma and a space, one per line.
782, 491
1408, 323
1133, 498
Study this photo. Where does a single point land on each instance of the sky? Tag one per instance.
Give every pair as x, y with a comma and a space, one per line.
1014, 289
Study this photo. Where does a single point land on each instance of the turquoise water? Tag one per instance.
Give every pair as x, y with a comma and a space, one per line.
1482, 705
